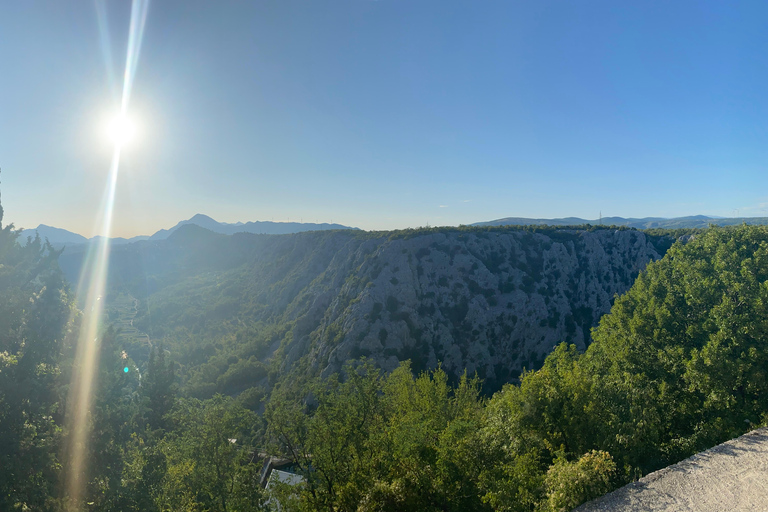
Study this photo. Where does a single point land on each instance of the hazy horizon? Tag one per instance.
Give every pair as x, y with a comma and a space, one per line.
304, 221
384, 114
90, 234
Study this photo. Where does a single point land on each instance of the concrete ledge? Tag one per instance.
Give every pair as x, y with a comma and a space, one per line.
730, 477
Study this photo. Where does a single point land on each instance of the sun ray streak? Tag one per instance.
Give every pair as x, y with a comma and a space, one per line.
93, 282
135, 36
106, 44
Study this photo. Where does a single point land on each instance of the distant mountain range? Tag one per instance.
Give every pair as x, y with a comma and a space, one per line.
61, 237
694, 221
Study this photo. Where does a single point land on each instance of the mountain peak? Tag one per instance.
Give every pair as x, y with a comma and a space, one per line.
199, 217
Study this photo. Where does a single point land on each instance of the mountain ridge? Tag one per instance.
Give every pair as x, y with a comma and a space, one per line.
691, 221
60, 237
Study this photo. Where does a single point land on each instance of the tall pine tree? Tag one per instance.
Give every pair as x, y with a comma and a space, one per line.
34, 311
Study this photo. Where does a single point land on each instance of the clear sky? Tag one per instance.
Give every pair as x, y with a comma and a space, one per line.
386, 114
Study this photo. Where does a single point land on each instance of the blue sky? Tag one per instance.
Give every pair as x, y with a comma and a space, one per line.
386, 114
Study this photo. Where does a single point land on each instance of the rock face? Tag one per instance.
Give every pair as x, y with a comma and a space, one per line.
490, 302
731, 476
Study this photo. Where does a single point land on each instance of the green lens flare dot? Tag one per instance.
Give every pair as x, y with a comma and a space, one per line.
125, 369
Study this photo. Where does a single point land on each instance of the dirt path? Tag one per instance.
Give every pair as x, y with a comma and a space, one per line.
127, 308
138, 332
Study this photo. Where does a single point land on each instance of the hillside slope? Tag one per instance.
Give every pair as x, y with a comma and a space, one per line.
491, 301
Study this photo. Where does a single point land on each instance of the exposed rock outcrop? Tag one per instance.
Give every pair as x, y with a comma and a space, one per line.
490, 302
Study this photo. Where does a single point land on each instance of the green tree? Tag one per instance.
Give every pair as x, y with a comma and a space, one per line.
325, 427
569, 484
427, 450
158, 390
367, 442
115, 406
680, 360
34, 311
211, 463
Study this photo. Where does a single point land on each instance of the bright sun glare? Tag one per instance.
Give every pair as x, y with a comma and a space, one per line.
121, 130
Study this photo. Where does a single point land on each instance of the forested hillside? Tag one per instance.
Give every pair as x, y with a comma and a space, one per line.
148, 450
490, 301
677, 366
690, 222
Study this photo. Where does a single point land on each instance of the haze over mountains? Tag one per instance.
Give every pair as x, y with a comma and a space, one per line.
61, 237
693, 221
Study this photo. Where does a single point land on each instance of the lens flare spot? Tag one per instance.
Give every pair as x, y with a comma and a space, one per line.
126, 370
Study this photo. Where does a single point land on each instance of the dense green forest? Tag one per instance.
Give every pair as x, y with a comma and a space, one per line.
678, 365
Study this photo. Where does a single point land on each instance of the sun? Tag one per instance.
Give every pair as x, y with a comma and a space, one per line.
121, 130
